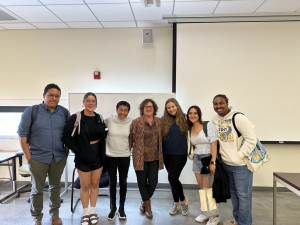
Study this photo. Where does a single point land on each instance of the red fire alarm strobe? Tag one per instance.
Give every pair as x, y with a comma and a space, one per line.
97, 75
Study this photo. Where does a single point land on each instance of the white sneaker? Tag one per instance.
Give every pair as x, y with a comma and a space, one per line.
201, 218
213, 220
174, 209
230, 222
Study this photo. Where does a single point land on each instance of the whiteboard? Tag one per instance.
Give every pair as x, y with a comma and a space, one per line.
107, 102
256, 65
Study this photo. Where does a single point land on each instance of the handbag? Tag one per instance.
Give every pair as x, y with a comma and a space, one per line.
205, 165
190, 149
207, 202
259, 154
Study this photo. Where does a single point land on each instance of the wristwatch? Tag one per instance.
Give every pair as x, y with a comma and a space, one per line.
212, 162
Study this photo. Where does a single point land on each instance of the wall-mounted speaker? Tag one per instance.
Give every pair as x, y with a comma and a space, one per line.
147, 36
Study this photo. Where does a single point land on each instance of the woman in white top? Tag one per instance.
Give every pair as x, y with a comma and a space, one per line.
118, 156
204, 146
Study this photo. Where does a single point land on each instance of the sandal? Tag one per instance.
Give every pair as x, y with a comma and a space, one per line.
85, 220
94, 219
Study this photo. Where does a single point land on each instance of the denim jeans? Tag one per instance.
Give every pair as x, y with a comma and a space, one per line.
240, 183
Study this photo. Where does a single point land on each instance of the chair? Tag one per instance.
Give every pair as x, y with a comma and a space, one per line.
104, 182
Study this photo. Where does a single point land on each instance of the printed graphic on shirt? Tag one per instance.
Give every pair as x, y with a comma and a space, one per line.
225, 130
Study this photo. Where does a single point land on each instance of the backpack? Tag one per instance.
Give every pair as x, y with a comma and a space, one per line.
77, 123
34, 112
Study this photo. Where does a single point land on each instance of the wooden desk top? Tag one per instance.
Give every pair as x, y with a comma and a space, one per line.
293, 179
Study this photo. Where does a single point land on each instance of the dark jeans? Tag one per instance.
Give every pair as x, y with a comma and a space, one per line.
122, 164
147, 179
174, 165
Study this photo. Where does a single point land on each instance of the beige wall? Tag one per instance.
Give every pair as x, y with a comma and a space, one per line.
31, 59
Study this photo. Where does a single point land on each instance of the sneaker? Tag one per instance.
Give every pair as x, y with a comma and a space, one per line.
56, 220
112, 215
213, 220
121, 213
201, 218
185, 207
37, 223
230, 222
174, 209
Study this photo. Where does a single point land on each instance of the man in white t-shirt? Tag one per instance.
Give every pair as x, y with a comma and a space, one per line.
240, 178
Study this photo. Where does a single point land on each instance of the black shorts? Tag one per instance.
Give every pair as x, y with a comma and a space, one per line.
91, 166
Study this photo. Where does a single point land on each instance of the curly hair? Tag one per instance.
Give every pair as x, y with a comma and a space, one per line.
143, 103
168, 120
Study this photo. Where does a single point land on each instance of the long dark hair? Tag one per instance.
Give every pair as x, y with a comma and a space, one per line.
198, 112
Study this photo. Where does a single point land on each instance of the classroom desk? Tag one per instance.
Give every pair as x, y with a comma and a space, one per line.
290, 181
5, 157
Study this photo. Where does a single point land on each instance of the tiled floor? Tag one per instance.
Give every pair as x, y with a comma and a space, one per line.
16, 210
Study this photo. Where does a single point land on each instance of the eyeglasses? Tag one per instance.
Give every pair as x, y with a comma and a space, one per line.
148, 107
90, 101
52, 96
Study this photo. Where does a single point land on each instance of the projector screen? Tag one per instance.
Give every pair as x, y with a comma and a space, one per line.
257, 65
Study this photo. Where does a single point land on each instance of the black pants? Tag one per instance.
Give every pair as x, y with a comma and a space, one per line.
147, 179
122, 164
174, 165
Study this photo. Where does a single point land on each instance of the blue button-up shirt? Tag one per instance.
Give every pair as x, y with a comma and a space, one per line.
46, 133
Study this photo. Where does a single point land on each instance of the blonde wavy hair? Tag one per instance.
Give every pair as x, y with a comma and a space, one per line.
168, 120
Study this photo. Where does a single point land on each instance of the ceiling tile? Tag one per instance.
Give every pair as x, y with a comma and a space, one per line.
17, 26
50, 25
119, 24
61, 2
238, 6
106, 1
206, 7
154, 23
18, 19
112, 12
72, 13
34, 13
84, 25
1, 28
279, 6
151, 13
19, 2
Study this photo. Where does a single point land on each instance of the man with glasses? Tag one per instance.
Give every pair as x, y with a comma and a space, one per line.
41, 140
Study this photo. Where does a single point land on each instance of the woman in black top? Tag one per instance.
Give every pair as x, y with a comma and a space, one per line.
88, 144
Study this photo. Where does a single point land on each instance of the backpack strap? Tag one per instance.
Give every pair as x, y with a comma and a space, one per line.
34, 112
205, 128
233, 123
77, 123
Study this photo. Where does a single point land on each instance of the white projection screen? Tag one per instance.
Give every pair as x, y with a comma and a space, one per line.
257, 65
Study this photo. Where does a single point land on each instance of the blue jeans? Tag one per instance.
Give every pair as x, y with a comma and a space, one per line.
240, 183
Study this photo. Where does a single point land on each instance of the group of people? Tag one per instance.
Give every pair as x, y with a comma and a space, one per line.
154, 143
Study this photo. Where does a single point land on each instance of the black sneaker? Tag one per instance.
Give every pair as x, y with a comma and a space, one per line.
121, 213
112, 214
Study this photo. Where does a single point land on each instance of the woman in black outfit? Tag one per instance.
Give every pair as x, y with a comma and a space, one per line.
88, 144
174, 131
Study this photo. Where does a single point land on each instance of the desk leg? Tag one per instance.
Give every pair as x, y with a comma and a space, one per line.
14, 173
274, 200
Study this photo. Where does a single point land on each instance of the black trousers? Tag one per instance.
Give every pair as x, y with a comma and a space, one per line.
147, 179
122, 165
174, 165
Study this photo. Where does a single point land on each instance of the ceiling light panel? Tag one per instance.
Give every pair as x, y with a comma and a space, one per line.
112, 12
34, 13
105, 1
206, 7
155, 23
18, 19
70, 13
19, 2
238, 6
151, 13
